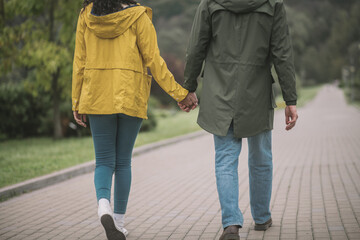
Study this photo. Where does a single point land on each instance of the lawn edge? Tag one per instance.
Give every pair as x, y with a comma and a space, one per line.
68, 173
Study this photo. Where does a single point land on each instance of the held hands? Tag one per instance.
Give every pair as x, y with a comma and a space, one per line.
189, 103
80, 118
291, 117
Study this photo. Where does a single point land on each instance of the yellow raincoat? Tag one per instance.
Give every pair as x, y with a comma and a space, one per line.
112, 54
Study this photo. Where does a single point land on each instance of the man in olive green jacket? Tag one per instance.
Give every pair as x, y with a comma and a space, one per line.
240, 40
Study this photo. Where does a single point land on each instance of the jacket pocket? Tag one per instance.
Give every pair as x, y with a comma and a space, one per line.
147, 79
273, 100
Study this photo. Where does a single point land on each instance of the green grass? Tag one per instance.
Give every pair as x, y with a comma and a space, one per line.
305, 95
21, 160
347, 93
356, 104
25, 159
179, 123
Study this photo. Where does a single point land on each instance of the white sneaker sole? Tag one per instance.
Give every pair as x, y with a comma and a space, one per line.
112, 233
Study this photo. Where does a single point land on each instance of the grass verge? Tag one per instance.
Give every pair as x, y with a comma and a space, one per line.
305, 95
21, 160
347, 94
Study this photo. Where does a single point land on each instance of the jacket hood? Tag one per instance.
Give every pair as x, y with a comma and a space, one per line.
114, 24
241, 6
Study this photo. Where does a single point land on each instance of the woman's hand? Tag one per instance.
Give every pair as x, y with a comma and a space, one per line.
189, 103
80, 118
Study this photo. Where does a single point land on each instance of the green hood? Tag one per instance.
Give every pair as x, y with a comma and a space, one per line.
241, 6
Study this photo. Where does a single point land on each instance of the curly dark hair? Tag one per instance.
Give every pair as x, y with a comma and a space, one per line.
103, 7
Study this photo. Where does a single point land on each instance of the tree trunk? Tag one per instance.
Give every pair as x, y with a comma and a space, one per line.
52, 8
55, 77
2, 13
56, 106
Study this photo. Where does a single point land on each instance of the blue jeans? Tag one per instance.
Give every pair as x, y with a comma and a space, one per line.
227, 150
114, 138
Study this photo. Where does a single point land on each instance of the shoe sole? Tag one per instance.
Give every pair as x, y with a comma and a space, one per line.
231, 237
262, 227
111, 231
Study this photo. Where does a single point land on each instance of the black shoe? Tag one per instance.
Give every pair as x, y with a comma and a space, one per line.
263, 226
112, 233
230, 233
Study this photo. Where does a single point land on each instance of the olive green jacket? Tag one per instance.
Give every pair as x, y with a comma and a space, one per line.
240, 40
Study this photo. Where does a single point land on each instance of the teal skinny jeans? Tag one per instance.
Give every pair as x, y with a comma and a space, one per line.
114, 138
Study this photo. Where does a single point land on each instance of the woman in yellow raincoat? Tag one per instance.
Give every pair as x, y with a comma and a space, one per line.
115, 45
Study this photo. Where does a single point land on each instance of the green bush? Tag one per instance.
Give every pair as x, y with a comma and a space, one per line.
151, 122
21, 113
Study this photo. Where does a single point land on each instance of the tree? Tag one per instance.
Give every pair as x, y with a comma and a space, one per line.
38, 36
2, 13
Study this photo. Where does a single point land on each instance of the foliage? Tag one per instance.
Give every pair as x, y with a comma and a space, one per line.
322, 33
24, 115
150, 123
38, 38
20, 113
31, 42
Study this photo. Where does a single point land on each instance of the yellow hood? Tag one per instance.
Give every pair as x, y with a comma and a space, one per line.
114, 24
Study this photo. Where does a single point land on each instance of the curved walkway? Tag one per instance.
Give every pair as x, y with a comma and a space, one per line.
316, 187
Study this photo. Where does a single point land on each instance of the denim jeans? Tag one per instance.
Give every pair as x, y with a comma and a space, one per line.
114, 137
227, 150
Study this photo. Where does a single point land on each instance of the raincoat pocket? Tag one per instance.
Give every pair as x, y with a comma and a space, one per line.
273, 100
147, 79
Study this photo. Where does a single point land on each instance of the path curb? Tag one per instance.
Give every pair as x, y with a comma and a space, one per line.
60, 176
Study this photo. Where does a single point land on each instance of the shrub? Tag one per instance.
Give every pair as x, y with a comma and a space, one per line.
151, 122
21, 113
25, 115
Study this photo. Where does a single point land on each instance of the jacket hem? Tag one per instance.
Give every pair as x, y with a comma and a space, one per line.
254, 134
131, 114
208, 129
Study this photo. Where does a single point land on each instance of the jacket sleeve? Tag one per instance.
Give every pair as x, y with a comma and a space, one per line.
200, 37
147, 43
79, 63
282, 55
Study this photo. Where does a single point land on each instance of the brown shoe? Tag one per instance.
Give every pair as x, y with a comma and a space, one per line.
230, 233
263, 226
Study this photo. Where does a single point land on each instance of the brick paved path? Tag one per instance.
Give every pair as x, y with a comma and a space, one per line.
315, 190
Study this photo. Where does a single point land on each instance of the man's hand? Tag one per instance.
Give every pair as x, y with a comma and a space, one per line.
291, 117
80, 118
189, 103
